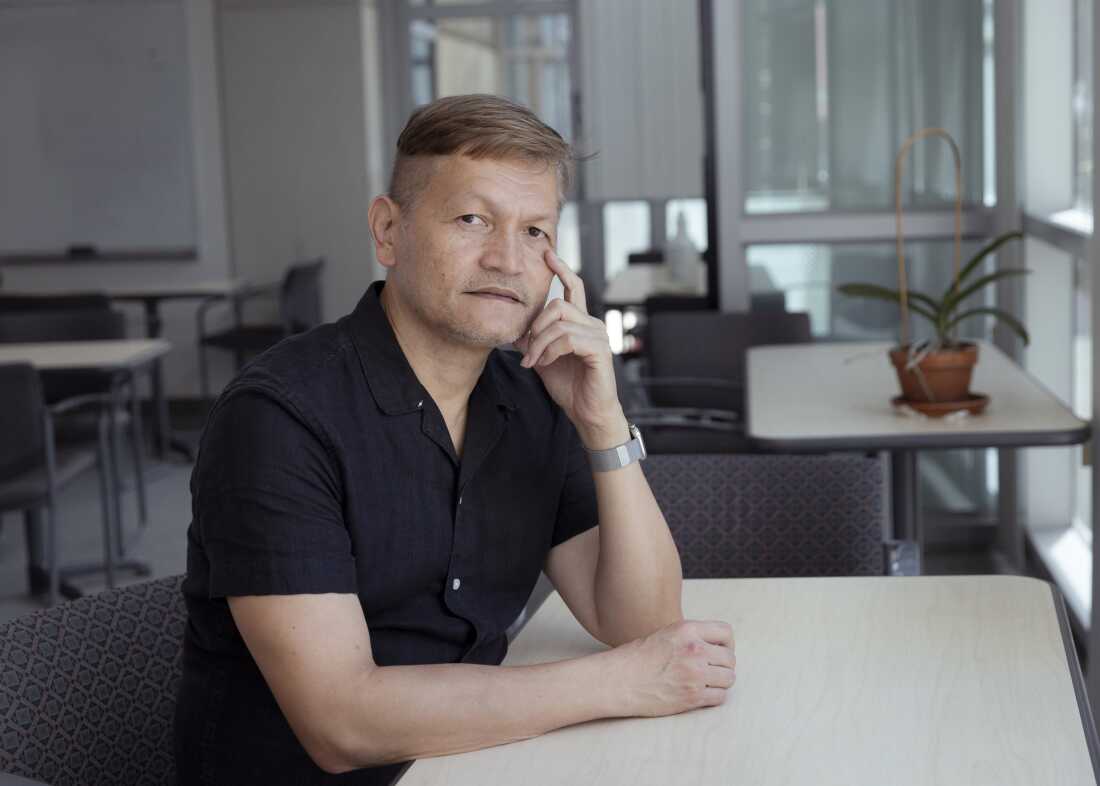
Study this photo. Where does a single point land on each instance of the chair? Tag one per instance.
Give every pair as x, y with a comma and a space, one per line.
88, 689
697, 358
768, 515
299, 310
82, 324
33, 469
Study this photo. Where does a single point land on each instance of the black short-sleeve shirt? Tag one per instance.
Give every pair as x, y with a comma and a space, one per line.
325, 466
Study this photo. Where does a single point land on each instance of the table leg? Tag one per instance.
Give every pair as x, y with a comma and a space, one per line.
154, 327
905, 497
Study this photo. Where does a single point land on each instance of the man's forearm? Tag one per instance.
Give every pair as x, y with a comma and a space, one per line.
638, 576
397, 713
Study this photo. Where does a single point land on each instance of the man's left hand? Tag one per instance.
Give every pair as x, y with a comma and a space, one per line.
569, 350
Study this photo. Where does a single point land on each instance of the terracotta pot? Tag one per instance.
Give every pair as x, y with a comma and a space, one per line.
946, 373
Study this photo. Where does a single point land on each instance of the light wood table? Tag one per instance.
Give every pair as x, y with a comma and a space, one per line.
846, 681
150, 296
821, 397
122, 355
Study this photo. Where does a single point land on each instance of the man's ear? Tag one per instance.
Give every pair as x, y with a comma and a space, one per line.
384, 220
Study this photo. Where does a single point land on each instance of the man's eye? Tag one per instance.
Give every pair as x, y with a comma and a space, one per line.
471, 219
535, 232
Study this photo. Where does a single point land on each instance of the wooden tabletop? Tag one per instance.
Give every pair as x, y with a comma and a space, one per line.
837, 396
846, 681
120, 355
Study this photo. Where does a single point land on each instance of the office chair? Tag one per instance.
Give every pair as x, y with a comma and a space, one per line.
299, 296
88, 689
769, 516
697, 359
33, 468
78, 425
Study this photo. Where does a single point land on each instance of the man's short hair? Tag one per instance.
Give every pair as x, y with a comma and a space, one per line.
479, 126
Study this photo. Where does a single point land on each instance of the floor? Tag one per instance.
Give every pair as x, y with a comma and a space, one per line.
163, 544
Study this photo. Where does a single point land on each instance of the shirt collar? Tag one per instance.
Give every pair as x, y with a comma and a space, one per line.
389, 376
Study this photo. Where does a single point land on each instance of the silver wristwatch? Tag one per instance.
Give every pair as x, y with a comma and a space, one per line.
620, 456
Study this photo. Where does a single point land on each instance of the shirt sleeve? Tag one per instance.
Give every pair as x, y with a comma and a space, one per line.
267, 504
577, 509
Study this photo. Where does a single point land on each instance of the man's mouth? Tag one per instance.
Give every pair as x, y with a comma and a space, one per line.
497, 293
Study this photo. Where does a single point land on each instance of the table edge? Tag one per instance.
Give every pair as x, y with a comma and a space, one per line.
987, 439
1088, 724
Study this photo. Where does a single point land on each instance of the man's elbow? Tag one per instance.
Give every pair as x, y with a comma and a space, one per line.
338, 753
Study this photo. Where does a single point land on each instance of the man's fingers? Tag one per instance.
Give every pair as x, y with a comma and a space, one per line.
720, 655
584, 340
718, 677
574, 287
557, 310
712, 697
715, 632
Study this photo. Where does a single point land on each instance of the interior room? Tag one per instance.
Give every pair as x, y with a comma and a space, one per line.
832, 258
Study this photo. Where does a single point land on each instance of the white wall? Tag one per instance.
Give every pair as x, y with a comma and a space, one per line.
296, 145
213, 256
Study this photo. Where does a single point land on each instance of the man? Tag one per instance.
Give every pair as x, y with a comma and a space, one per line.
373, 500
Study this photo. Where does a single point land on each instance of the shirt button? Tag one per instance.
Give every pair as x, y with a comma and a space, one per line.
459, 499
420, 404
456, 584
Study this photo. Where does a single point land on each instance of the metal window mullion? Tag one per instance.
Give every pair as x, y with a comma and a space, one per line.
1093, 645
488, 9
861, 227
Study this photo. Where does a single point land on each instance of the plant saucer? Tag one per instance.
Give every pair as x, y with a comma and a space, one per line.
974, 404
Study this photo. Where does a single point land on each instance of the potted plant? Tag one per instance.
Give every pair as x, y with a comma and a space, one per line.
935, 374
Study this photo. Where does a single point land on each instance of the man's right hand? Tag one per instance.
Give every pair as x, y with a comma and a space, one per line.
680, 667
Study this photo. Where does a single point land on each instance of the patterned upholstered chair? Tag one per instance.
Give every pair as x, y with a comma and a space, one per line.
767, 515
88, 688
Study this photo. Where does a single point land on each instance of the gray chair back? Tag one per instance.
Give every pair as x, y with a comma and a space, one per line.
88, 688
23, 444
766, 515
712, 345
300, 297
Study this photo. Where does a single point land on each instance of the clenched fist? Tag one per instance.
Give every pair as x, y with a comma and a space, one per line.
680, 667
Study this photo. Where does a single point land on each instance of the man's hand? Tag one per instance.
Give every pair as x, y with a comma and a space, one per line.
681, 667
570, 351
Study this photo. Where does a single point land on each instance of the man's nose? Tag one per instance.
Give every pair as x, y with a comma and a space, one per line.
504, 252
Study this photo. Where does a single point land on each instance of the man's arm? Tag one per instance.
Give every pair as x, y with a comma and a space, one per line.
622, 579
315, 654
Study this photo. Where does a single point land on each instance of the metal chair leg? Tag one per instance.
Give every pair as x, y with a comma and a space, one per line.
116, 479
204, 373
51, 552
103, 468
139, 460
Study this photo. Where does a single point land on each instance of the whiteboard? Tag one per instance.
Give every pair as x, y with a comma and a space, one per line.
95, 129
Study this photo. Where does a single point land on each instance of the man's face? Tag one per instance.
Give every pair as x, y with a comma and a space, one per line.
468, 255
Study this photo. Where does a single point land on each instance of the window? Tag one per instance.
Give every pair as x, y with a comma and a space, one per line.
831, 89
625, 231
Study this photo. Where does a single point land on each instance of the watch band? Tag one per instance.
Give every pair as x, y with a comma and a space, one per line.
619, 456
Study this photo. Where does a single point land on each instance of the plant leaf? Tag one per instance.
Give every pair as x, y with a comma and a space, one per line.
876, 292
1013, 323
976, 260
951, 302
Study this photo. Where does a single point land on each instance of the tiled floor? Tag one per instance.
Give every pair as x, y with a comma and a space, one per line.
164, 543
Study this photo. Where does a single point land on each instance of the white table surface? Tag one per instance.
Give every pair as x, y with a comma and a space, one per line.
845, 681
166, 290
115, 355
824, 396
